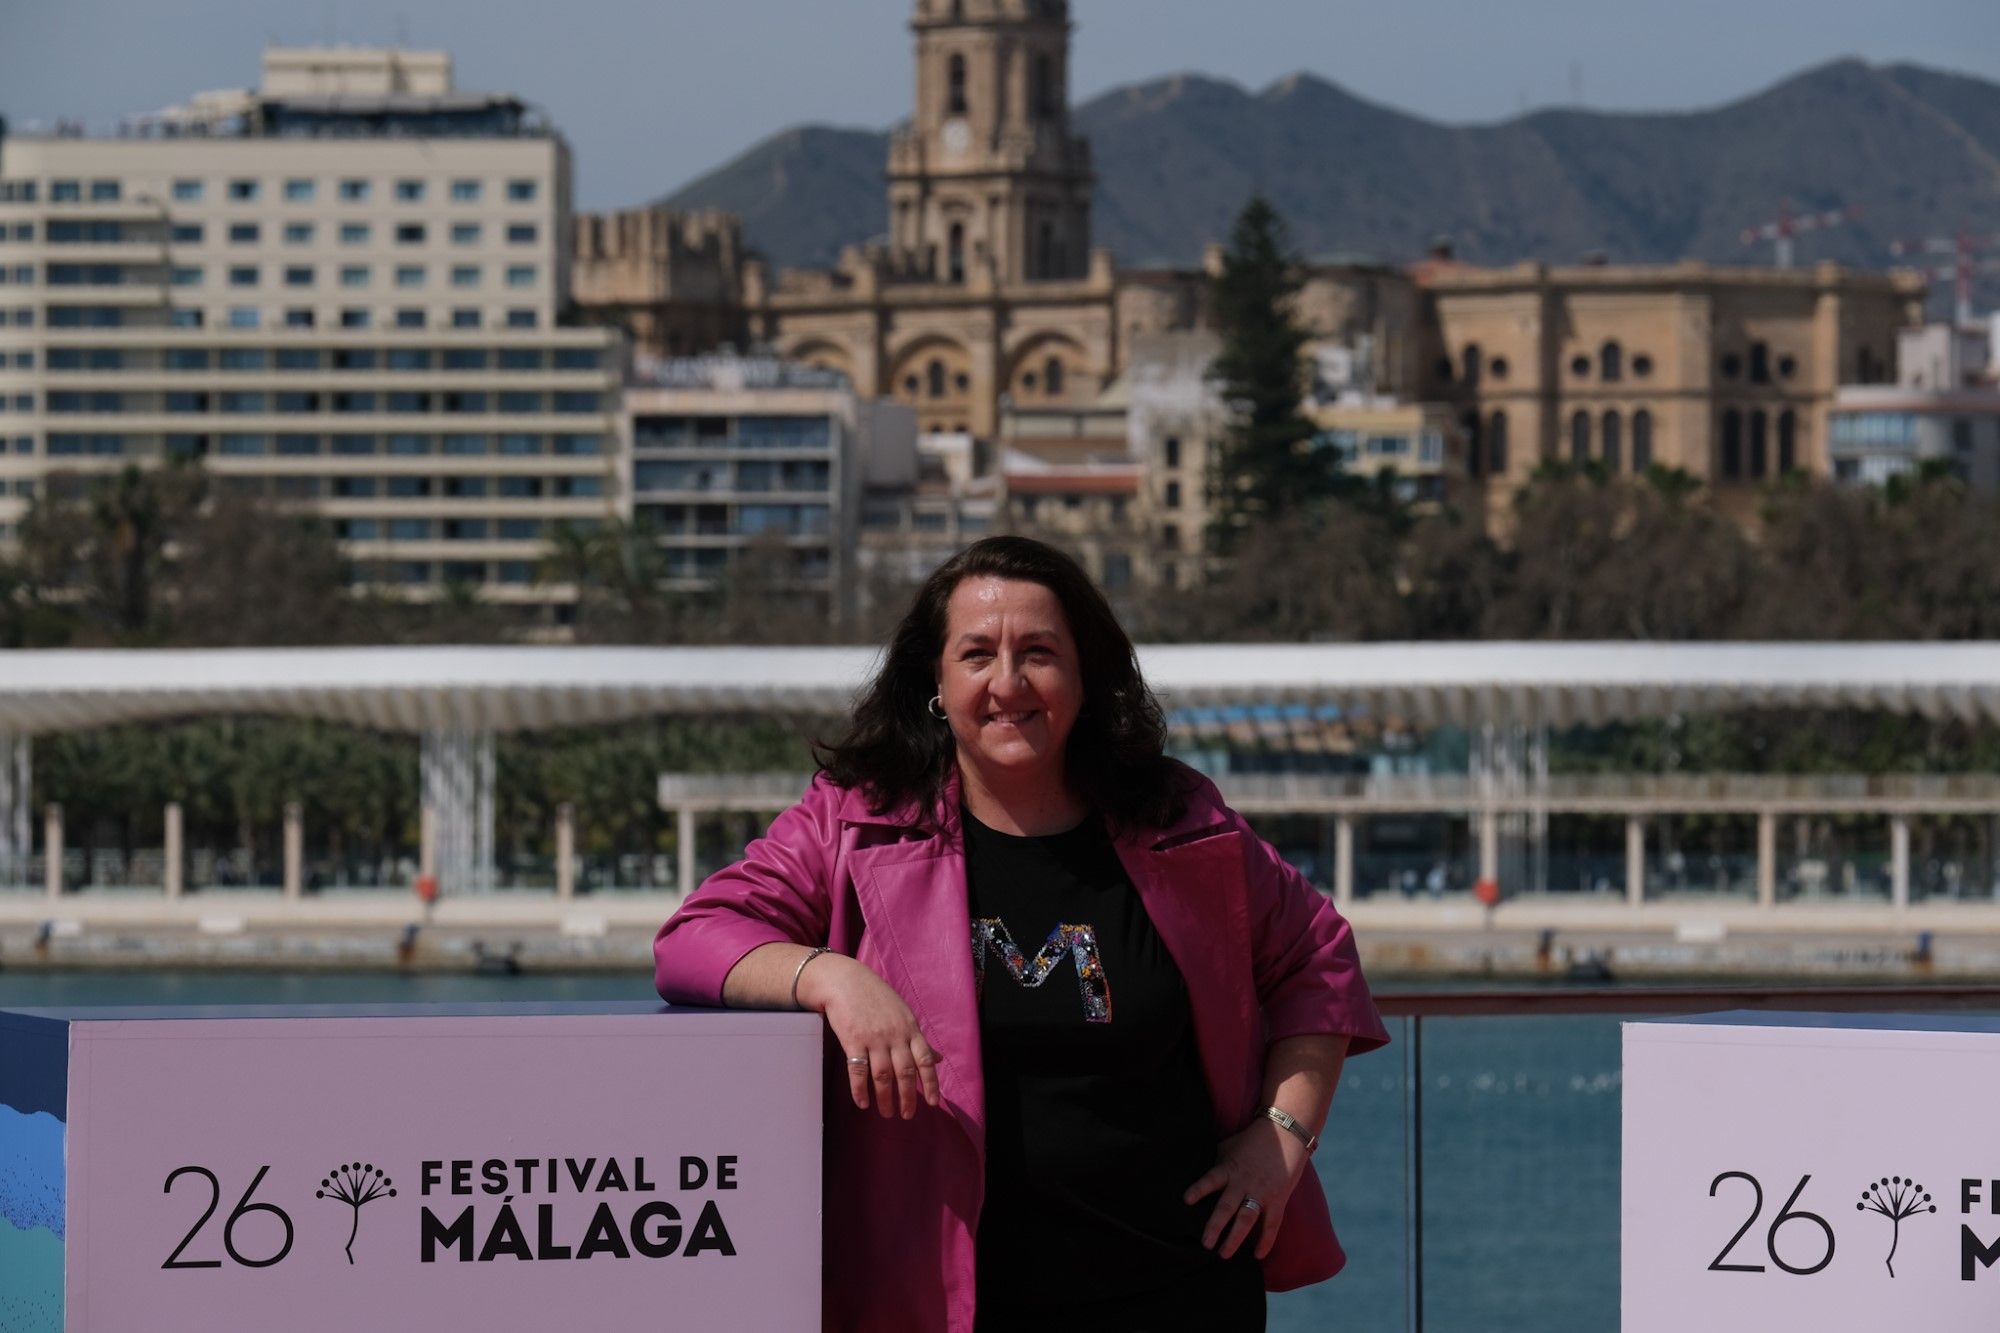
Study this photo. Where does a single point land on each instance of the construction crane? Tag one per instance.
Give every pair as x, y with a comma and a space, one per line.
1786, 226
1966, 263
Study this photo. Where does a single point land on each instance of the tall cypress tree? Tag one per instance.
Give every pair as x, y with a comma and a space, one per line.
1266, 469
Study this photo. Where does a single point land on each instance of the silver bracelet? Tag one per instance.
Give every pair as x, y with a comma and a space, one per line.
801, 971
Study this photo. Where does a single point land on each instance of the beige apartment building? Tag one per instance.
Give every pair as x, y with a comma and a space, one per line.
1727, 373
340, 290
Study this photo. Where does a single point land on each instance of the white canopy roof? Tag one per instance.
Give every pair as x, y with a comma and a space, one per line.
511, 689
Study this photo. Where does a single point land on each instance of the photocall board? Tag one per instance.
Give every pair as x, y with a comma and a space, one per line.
406, 1167
1811, 1171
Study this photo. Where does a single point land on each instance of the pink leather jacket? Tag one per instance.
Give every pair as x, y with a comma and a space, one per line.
1264, 956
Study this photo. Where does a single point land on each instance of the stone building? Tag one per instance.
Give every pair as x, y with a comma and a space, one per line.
672, 280
988, 287
1726, 373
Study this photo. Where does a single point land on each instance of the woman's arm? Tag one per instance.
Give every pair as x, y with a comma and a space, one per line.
1265, 1161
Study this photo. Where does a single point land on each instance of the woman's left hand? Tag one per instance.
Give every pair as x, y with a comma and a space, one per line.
1263, 1163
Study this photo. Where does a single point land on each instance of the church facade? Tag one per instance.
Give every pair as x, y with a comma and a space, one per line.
988, 287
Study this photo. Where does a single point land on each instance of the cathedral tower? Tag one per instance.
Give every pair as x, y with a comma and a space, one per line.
988, 174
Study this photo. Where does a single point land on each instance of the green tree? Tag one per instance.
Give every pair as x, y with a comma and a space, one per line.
1267, 466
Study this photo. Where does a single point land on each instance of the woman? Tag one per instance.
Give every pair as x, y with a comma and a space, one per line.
1088, 1022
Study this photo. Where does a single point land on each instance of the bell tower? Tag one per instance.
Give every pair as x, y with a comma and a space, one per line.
988, 176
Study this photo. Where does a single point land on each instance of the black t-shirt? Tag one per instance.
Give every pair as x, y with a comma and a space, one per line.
1098, 1118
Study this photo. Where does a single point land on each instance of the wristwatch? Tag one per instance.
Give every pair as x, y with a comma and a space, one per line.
1290, 1124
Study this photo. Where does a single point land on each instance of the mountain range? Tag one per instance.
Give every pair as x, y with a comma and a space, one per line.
1913, 152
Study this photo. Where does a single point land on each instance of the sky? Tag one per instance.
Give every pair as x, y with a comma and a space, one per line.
651, 93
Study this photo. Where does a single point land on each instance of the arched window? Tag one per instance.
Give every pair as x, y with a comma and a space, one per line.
1496, 445
1760, 363
955, 103
1614, 440
935, 374
1045, 250
1642, 440
1788, 440
1732, 443
955, 253
1043, 95
1611, 362
1579, 438
1757, 444
1052, 376
1469, 359
1475, 447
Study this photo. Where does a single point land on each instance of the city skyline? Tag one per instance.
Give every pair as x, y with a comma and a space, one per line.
679, 67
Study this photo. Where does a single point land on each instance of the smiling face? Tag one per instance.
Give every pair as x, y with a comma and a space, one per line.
1010, 678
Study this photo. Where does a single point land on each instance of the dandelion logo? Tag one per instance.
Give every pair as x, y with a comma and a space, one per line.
355, 1184
1896, 1199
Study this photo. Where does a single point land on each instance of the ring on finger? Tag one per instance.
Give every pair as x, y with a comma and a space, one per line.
1250, 1205
859, 1061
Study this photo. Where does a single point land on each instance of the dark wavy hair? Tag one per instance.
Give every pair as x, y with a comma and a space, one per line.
1115, 758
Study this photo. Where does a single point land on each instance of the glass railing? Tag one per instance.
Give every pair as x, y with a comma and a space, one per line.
1472, 1167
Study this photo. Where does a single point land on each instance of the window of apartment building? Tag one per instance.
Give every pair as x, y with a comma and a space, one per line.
1642, 438
1496, 368
409, 358
521, 191
468, 444
1759, 425
185, 233
520, 275
354, 358
464, 358
520, 358
520, 445
353, 400
243, 233
1171, 497
520, 529
465, 191
520, 319
460, 400
298, 275
465, 529
181, 318
186, 191
298, 358
1579, 366
522, 233
243, 317
356, 445
1732, 443
298, 233
576, 446
294, 401
1170, 451
465, 318
578, 358
1729, 366
353, 190
240, 401
354, 488
298, 446
354, 233
407, 488
1788, 440
1611, 362
1496, 444
357, 529
409, 191
242, 191
407, 446
1579, 438
1612, 445
299, 191
409, 529
408, 401
246, 444
409, 233
65, 192
517, 400
1642, 365
409, 318
465, 275
243, 275
300, 317
465, 233
519, 488
104, 192
354, 275
1469, 360
1760, 363
465, 488
409, 275
24, 231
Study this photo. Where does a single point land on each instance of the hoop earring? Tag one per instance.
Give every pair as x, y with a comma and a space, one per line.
936, 707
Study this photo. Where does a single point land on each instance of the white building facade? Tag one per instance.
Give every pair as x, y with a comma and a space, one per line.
341, 291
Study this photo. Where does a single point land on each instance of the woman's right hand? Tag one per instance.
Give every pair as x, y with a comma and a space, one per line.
872, 1024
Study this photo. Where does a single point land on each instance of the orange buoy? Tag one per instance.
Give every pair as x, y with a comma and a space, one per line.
1488, 892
